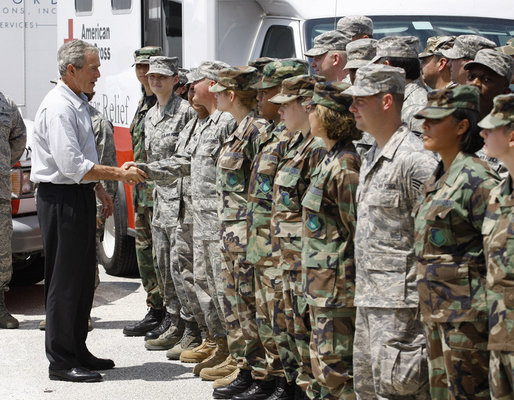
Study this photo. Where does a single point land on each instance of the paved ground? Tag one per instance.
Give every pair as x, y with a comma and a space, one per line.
139, 373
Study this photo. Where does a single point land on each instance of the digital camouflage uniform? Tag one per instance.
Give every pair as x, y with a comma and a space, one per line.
498, 233
415, 99
389, 354
450, 263
13, 137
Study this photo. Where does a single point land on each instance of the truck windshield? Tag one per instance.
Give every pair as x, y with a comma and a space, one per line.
495, 29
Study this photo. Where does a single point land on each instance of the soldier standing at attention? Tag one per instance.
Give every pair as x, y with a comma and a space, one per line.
448, 245
329, 219
388, 333
329, 55
498, 232
13, 137
143, 204
435, 68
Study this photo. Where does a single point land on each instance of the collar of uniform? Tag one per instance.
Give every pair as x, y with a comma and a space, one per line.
243, 126
433, 184
169, 109
215, 116
394, 142
77, 101
455, 169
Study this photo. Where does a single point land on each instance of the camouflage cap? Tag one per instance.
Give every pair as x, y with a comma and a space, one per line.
466, 46
292, 88
444, 102
330, 94
275, 72
397, 46
377, 78
163, 65
235, 78
142, 55
209, 70
360, 53
182, 76
327, 41
260, 62
491, 58
508, 48
192, 76
502, 113
355, 25
435, 44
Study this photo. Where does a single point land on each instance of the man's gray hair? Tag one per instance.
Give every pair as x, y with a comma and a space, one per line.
73, 52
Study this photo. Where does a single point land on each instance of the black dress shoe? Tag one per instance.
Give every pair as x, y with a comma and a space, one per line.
238, 385
98, 363
260, 390
283, 390
151, 321
74, 375
159, 330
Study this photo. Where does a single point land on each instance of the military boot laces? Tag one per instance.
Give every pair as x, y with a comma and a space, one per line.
7, 321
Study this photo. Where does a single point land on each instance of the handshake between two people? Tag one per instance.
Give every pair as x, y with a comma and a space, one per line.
131, 174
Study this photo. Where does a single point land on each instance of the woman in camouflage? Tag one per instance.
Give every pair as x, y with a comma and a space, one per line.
448, 245
329, 218
498, 232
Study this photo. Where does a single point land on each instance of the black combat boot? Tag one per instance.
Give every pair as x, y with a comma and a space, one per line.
260, 390
239, 385
160, 329
7, 321
283, 390
151, 320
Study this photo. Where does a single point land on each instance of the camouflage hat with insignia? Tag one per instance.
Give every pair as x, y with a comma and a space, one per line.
397, 46
163, 65
235, 78
466, 46
444, 102
292, 88
508, 48
142, 56
435, 44
275, 72
331, 40
209, 70
330, 94
502, 113
491, 58
360, 53
355, 25
377, 78
260, 62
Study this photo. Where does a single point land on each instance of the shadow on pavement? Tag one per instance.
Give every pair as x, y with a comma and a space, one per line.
153, 371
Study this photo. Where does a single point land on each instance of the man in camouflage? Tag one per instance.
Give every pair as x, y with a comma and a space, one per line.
143, 204
13, 137
389, 355
357, 26
435, 68
498, 231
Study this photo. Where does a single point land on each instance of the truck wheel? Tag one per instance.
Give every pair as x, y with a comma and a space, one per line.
115, 249
29, 271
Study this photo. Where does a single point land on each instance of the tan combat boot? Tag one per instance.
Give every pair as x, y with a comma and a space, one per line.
200, 353
7, 321
219, 371
191, 339
226, 380
167, 339
218, 357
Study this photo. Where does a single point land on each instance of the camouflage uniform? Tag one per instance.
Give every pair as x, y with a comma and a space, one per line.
415, 99
12, 144
389, 356
451, 267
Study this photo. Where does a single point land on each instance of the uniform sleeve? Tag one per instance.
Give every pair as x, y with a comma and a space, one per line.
479, 198
17, 136
421, 166
346, 191
167, 170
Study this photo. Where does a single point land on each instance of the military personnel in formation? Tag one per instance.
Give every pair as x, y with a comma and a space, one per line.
235, 96
328, 268
448, 244
143, 204
464, 50
388, 333
13, 137
329, 55
163, 123
508, 49
357, 26
360, 53
435, 68
498, 231
402, 52
291, 322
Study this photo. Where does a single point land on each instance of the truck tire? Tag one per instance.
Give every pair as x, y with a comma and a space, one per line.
115, 248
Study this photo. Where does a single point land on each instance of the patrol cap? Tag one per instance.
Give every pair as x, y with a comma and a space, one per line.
377, 78
294, 87
435, 44
142, 55
327, 41
235, 78
466, 46
209, 70
355, 25
491, 58
260, 62
275, 72
444, 102
360, 53
330, 95
163, 65
502, 113
192, 76
508, 48
182, 76
397, 46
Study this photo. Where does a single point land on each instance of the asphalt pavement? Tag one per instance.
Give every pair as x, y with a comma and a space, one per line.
139, 373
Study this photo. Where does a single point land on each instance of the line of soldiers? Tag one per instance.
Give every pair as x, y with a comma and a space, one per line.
301, 225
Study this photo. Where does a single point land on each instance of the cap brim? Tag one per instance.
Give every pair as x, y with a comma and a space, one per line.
160, 71
491, 122
360, 91
315, 52
282, 98
264, 85
355, 64
217, 88
434, 113
451, 53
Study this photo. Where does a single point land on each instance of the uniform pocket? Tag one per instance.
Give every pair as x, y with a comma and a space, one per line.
232, 178
286, 182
